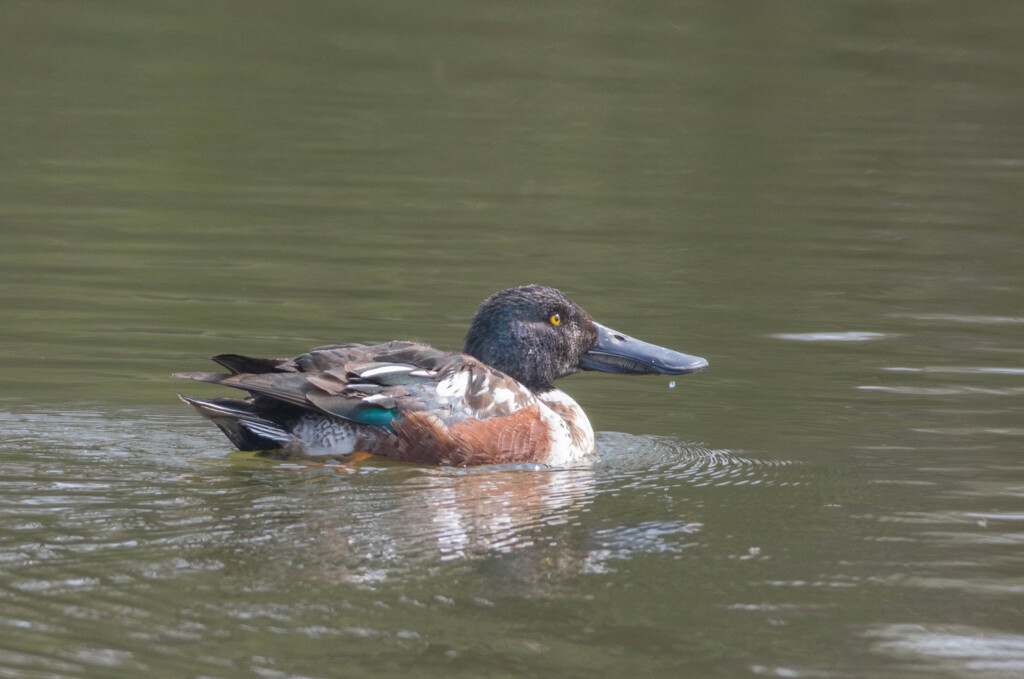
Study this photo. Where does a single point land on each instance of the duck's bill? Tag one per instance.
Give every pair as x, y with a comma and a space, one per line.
619, 353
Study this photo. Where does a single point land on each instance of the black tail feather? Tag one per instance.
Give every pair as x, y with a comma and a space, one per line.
238, 363
239, 422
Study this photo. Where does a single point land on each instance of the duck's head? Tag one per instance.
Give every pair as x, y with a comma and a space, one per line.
536, 334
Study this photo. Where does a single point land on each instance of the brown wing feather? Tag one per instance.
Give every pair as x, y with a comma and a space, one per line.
319, 380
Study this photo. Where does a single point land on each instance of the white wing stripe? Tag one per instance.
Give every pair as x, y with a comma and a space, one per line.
387, 370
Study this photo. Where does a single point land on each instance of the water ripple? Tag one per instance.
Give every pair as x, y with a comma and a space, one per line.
966, 318
958, 370
958, 649
653, 462
853, 336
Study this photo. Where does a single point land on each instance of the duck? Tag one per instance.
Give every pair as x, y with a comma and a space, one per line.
492, 404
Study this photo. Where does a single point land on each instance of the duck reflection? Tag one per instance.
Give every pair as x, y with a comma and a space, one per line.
382, 527
525, 528
496, 510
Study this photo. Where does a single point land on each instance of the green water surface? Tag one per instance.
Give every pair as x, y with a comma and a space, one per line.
825, 199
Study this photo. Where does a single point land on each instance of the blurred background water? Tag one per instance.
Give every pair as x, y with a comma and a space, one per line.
824, 199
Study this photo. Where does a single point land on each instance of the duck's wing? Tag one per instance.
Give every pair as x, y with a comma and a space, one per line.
373, 384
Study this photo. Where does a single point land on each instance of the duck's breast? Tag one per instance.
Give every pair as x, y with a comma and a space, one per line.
572, 435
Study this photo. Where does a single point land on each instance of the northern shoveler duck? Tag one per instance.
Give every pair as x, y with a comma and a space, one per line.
492, 404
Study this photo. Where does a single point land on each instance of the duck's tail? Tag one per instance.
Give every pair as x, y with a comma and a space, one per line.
247, 429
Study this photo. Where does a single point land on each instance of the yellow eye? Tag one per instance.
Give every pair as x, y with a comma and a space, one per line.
555, 319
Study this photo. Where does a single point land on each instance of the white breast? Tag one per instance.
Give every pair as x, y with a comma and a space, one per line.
572, 435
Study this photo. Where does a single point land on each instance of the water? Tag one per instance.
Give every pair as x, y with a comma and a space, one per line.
823, 199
